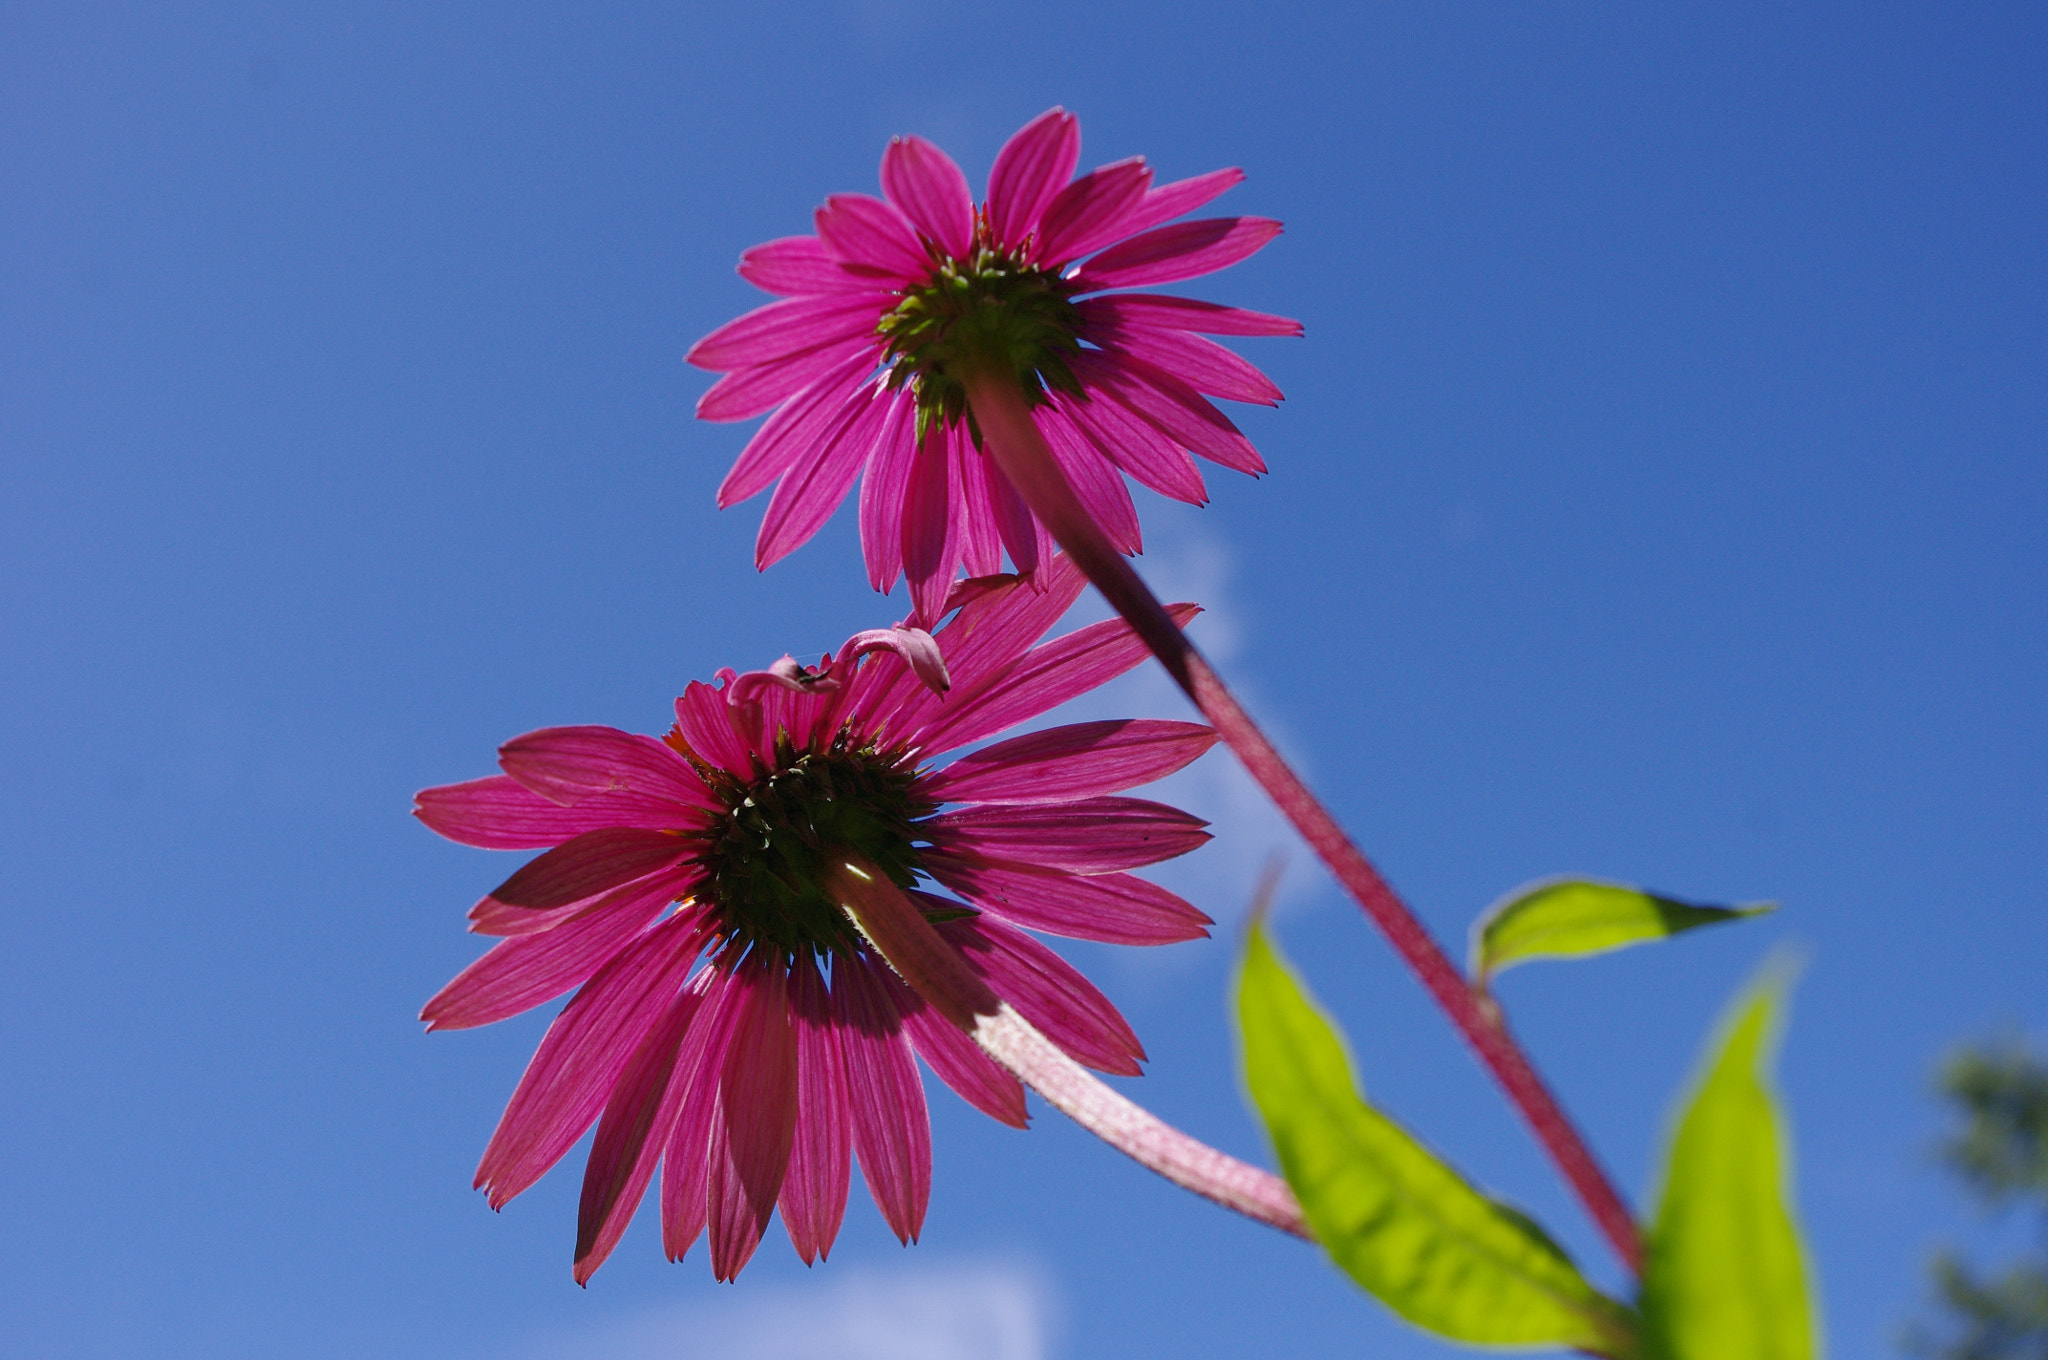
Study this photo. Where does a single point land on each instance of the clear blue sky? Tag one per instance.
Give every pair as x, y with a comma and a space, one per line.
1659, 496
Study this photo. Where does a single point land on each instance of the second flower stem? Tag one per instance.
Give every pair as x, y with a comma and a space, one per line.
1012, 438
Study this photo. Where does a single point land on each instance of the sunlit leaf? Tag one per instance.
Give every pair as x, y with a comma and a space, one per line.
1725, 1274
1566, 918
1393, 1216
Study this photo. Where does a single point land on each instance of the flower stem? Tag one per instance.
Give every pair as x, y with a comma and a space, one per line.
936, 972
1012, 438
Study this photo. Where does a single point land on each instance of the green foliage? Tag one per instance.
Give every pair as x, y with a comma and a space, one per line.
1391, 1214
1725, 1274
2001, 1153
1570, 918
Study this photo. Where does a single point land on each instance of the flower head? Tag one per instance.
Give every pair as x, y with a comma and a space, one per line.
881, 310
728, 1022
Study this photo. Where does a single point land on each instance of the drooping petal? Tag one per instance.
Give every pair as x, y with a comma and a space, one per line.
1184, 250
784, 436
746, 392
1178, 313
630, 1135
491, 917
1033, 166
685, 1158
1169, 404
798, 265
1043, 678
1096, 482
783, 328
1112, 908
1025, 538
1090, 207
981, 543
1049, 992
954, 1058
526, 970
813, 1199
818, 481
751, 1136
930, 535
500, 813
571, 764
883, 489
929, 189
1091, 836
891, 1130
592, 863
1138, 447
1168, 201
578, 1062
1203, 364
1081, 760
871, 239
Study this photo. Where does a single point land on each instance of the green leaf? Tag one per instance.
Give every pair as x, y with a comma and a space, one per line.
1393, 1216
1566, 918
1725, 1273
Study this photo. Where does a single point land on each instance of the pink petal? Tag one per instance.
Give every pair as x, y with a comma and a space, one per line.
1203, 364
522, 972
630, 1135
578, 1062
1090, 205
693, 1093
780, 329
592, 863
819, 480
1169, 201
750, 1140
1094, 478
883, 490
572, 764
813, 1200
891, 1131
1177, 313
1171, 405
705, 720
1027, 540
786, 434
1184, 250
930, 535
500, 813
953, 1057
1113, 908
871, 239
490, 917
924, 183
1091, 836
981, 543
1029, 172
746, 392
1081, 760
797, 265
1049, 992
1138, 447
1044, 678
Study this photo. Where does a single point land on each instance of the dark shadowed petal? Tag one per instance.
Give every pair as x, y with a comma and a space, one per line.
1049, 992
571, 764
953, 1057
891, 1130
1113, 908
930, 535
1090, 207
796, 265
522, 972
491, 917
790, 431
813, 1199
1187, 314
1090, 836
1027, 540
1081, 760
1033, 166
923, 182
1184, 250
871, 239
783, 328
592, 863
756, 1121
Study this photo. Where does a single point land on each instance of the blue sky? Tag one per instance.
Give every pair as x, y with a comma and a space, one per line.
1659, 496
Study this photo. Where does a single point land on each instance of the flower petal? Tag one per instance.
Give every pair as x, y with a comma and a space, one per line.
746, 392
1113, 908
1184, 250
1138, 447
818, 481
526, 970
931, 545
705, 721
981, 542
1169, 201
780, 329
1171, 405
500, 813
813, 1199
883, 490
1202, 364
572, 764
1096, 482
953, 1057
1025, 538
589, 864
871, 239
756, 1123
798, 265
928, 187
784, 436
891, 1130
1049, 992
1090, 836
1090, 207
685, 1158
1029, 172
1178, 313
1081, 760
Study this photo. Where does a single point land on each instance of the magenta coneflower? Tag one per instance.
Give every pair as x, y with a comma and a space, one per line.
753, 1079
892, 300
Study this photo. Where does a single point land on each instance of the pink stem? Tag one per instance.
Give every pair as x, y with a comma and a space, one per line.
1013, 439
935, 970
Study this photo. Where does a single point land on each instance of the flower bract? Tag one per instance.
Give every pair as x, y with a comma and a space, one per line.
729, 1027
883, 308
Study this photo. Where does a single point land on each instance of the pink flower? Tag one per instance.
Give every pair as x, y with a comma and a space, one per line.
891, 294
754, 1078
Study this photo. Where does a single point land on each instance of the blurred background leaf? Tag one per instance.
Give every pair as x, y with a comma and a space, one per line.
1569, 918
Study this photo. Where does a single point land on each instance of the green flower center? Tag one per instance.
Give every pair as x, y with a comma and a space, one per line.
768, 860
988, 309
